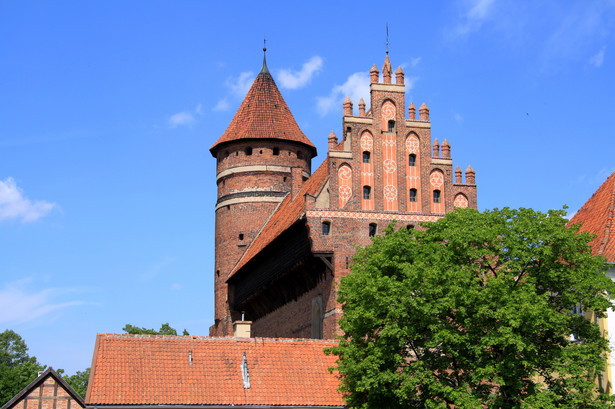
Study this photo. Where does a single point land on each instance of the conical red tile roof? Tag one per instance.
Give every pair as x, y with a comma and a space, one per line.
263, 114
596, 217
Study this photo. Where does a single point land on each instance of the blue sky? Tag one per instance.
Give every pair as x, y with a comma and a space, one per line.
108, 111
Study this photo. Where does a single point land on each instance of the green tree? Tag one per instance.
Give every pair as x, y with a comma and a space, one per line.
165, 329
79, 381
474, 311
17, 368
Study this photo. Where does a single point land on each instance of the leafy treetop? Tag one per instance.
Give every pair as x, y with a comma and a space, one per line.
475, 311
165, 329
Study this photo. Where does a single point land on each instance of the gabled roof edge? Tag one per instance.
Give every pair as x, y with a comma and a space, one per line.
49, 372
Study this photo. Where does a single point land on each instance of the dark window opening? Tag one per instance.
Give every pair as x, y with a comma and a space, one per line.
218, 273
366, 157
391, 125
436, 196
248, 151
367, 192
410, 227
326, 228
276, 151
299, 155
412, 159
261, 151
372, 229
412, 196
284, 178
240, 236
348, 132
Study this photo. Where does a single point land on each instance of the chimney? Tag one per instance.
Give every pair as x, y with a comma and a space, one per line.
242, 329
347, 107
296, 181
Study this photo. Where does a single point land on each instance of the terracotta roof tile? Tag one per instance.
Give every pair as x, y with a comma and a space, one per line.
596, 217
263, 114
151, 369
287, 213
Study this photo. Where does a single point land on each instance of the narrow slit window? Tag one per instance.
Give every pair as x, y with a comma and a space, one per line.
326, 228
412, 196
367, 192
366, 157
240, 236
373, 227
412, 159
437, 197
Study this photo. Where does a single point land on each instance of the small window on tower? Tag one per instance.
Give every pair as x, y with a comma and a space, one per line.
412, 196
367, 192
391, 125
366, 157
240, 236
373, 227
248, 151
412, 159
299, 155
436, 196
326, 228
276, 151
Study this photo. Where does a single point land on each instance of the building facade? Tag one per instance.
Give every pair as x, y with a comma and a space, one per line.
285, 236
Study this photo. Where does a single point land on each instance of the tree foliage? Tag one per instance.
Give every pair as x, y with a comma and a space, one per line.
78, 381
17, 368
475, 311
165, 329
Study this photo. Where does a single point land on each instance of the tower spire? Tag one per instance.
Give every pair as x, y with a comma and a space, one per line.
387, 38
264, 69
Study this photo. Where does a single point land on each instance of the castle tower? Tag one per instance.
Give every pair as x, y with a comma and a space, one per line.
261, 158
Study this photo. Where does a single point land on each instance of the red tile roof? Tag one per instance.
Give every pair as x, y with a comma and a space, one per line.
263, 114
156, 370
287, 213
596, 217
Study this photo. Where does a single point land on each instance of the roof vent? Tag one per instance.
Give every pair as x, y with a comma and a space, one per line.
190, 357
244, 372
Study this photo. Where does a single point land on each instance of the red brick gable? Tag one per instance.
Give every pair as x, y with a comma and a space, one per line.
188, 370
287, 213
263, 114
47, 391
596, 217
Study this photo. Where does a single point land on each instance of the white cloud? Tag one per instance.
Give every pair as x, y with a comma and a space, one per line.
296, 79
181, 118
415, 61
222, 105
356, 87
598, 59
20, 305
14, 205
198, 109
457, 116
240, 85
477, 11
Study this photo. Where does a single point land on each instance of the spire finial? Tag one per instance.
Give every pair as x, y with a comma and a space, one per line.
264, 69
387, 38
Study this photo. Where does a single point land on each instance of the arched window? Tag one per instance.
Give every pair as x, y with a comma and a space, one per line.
367, 192
412, 159
326, 228
391, 125
276, 151
366, 157
412, 196
248, 151
373, 227
436, 196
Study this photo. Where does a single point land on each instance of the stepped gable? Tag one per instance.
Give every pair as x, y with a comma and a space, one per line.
596, 217
153, 370
263, 114
287, 213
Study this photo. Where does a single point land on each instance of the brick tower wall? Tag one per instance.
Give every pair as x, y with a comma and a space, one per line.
253, 176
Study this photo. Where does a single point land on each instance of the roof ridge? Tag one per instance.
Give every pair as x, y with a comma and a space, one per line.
609, 218
227, 339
